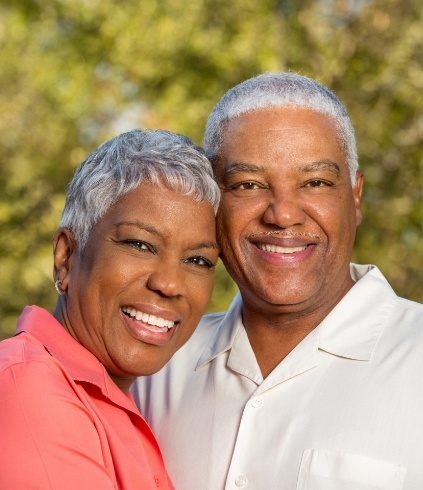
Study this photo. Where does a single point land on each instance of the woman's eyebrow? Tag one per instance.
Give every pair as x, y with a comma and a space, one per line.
210, 244
150, 229
137, 224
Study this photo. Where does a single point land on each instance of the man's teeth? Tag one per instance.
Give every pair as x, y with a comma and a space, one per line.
280, 250
150, 319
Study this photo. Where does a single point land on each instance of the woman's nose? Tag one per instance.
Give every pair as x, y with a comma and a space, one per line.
167, 279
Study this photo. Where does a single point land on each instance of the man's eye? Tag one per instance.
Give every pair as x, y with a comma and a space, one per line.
200, 261
246, 186
318, 183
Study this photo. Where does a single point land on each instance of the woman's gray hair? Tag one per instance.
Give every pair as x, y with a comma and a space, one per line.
283, 89
122, 163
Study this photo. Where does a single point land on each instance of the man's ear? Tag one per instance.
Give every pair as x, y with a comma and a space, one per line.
357, 193
64, 249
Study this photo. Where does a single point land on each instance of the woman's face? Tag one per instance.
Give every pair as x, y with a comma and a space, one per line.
136, 293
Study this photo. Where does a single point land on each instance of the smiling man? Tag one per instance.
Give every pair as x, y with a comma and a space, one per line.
309, 380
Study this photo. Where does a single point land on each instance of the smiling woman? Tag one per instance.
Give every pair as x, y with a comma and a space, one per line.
134, 273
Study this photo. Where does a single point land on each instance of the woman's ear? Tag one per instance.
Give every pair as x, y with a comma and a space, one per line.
64, 249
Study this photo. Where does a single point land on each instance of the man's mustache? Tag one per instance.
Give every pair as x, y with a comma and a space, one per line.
283, 233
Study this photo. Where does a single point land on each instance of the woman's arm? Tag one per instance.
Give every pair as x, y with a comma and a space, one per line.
47, 437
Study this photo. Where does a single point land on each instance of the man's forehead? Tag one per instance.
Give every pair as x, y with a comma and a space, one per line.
285, 113
295, 131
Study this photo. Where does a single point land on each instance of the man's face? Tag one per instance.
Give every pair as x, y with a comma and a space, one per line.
288, 214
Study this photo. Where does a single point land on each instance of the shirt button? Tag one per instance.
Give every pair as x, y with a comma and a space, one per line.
257, 402
241, 480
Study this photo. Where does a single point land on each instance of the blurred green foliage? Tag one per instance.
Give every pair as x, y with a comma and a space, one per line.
75, 72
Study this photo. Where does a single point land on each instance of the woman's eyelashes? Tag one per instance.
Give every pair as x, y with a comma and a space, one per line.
143, 246
200, 262
139, 245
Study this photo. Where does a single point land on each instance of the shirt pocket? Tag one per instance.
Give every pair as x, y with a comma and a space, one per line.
330, 470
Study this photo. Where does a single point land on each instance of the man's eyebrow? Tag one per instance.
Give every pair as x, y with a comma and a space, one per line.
321, 165
240, 167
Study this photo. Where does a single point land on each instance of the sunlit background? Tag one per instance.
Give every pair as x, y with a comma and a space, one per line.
75, 72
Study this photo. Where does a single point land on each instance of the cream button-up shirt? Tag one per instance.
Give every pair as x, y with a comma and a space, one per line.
343, 411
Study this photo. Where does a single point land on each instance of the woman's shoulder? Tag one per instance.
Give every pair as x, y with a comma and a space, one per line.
21, 348
25, 363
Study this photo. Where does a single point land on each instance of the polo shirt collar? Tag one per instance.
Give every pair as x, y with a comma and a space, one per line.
341, 333
79, 362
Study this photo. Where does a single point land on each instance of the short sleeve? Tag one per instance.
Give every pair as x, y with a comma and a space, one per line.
48, 437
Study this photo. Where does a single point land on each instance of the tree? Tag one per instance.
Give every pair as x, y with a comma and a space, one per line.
369, 53
75, 73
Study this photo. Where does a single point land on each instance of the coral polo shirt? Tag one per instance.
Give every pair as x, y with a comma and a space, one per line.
64, 424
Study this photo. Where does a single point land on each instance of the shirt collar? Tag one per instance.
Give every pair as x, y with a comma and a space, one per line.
353, 327
225, 332
79, 362
350, 330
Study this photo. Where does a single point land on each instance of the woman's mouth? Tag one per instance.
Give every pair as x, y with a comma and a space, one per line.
152, 320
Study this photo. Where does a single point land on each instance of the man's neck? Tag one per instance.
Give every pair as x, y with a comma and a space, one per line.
271, 343
274, 330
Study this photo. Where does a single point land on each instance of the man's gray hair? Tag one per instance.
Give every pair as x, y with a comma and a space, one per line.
122, 163
283, 89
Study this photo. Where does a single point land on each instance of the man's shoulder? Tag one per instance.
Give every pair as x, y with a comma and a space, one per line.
211, 320
205, 331
374, 288
409, 313
411, 305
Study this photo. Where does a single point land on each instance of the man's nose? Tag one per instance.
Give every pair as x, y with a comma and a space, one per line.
284, 210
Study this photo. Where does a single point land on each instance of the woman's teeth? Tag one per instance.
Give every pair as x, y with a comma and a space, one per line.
145, 318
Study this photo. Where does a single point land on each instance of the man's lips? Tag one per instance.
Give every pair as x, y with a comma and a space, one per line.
267, 247
284, 243
281, 234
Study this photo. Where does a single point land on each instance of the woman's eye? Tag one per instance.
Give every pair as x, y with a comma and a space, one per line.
200, 261
139, 245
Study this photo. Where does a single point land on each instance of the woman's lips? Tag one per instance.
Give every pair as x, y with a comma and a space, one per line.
148, 328
146, 318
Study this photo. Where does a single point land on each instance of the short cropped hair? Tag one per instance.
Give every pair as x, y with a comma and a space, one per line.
284, 89
122, 163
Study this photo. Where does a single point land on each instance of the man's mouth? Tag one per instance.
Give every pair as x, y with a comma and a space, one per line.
152, 320
280, 250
